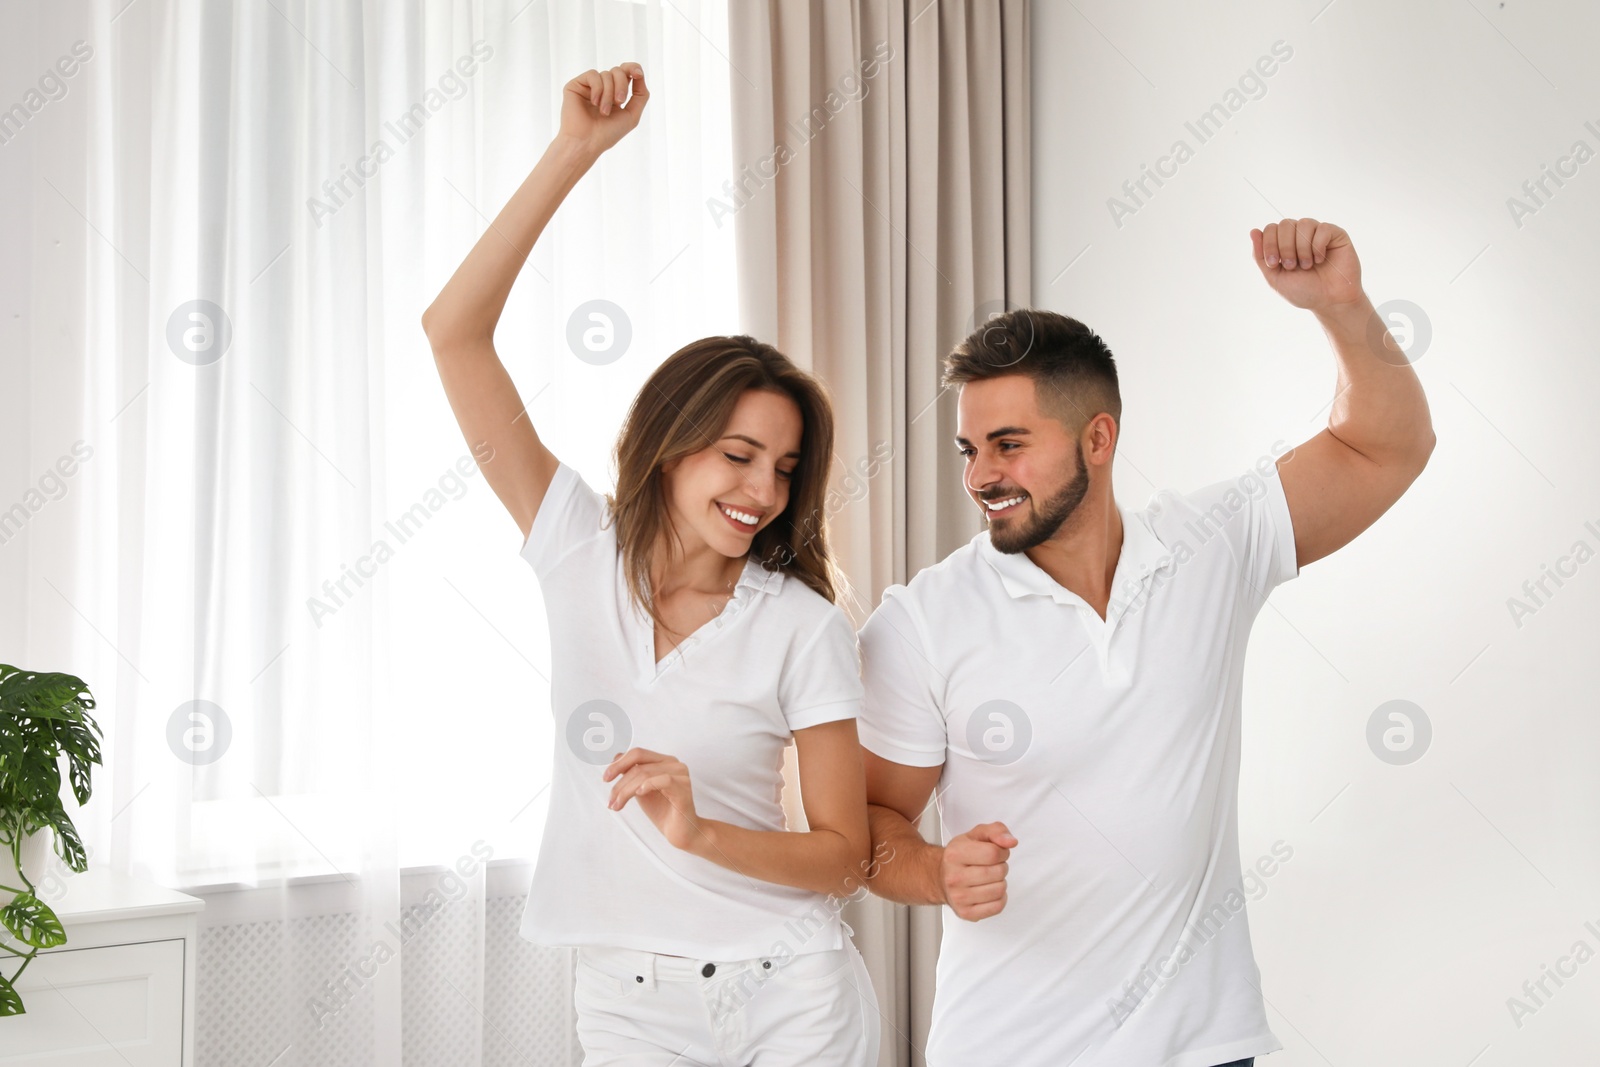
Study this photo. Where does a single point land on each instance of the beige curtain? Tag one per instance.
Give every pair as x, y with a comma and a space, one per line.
881, 198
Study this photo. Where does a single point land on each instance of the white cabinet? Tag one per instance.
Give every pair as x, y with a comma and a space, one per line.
120, 992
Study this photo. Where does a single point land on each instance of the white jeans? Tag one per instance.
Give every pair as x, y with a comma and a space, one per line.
639, 1008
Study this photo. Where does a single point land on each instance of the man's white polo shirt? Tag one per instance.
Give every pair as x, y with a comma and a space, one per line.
1110, 748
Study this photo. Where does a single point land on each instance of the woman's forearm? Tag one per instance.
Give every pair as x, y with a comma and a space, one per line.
824, 861
470, 304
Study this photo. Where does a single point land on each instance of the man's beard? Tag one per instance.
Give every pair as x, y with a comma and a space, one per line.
1047, 517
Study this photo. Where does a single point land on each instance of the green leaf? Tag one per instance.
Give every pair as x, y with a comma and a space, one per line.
40, 777
81, 787
31, 920
69, 846
82, 750
10, 1000
50, 695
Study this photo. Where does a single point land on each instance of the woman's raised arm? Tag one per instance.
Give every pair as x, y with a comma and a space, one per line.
596, 112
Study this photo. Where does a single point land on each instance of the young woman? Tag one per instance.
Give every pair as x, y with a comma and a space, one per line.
693, 634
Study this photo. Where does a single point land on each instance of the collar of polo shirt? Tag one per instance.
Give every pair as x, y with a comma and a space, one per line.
757, 576
752, 580
1141, 554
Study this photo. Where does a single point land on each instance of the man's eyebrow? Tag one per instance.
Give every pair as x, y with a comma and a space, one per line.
1004, 431
757, 444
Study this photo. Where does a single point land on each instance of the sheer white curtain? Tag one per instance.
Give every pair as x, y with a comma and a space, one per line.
317, 655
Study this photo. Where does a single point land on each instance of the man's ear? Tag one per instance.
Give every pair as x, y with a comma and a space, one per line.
1099, 438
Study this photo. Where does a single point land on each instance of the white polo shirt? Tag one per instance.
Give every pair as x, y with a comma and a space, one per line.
777, 659
1111, 751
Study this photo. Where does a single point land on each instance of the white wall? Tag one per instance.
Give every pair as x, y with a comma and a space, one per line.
18, 470
1419, 897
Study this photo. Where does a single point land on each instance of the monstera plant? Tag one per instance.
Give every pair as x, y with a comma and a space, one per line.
42, 718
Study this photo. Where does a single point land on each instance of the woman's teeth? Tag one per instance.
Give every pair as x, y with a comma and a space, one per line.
739, 516
1001, 505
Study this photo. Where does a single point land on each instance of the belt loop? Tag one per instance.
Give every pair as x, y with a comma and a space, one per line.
647, 963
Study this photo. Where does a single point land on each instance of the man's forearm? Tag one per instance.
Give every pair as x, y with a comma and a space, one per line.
1380, 409
906, 867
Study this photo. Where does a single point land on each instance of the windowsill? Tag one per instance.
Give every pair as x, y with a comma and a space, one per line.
200, 887
298, 895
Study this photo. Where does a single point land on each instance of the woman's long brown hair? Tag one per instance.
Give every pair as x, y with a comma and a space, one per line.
683, 408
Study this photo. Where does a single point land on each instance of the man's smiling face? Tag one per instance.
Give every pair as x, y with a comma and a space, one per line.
1024, 468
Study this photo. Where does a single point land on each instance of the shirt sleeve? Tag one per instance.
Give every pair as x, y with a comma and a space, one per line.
568, 516
1252, 515
822, 682
900, 715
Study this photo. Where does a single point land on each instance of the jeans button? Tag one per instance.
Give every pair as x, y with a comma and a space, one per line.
708, 970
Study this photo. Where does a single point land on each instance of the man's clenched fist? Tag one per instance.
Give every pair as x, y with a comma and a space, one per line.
1311, 264
973, 869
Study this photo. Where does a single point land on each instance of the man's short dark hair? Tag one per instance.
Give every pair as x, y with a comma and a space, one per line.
1073, 371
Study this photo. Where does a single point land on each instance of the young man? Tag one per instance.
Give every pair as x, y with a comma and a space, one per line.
1070, 681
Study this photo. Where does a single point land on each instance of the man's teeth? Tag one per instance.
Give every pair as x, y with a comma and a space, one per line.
1001, 505
740, 516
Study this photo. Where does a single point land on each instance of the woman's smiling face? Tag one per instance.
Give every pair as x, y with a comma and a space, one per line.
739, 484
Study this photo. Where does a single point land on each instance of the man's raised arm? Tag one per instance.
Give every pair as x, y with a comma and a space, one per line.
1379, 434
